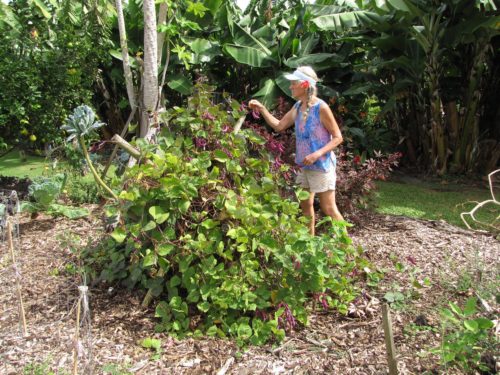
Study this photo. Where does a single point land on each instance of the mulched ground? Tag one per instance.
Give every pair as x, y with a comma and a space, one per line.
332, 344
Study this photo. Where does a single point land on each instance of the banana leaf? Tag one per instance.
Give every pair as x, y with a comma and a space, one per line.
249, 55
180, 83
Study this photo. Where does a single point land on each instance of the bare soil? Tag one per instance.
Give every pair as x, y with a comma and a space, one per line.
332, 344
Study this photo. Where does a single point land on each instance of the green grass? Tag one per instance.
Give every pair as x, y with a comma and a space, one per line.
11, 165
433, 201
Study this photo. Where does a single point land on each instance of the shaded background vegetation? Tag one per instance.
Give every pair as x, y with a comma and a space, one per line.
401, 75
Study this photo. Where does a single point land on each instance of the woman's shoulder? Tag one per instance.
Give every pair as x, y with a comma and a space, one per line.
320, 102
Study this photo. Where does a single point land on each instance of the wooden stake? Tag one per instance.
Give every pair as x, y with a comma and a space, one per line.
120, 142
22, 316
77, 334
389, 340
149, 295
237, 127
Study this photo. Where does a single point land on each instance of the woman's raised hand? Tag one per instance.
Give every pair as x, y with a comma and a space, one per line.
255, 105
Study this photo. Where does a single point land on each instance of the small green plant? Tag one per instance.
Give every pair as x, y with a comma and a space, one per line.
44, 192
79, 124
43, 368
116, 369
80, 191
465, 338
153, 344
395, 298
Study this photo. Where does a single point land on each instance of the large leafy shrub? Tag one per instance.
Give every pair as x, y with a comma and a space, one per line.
204, 226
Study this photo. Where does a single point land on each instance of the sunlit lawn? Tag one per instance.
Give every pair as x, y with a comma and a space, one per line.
11, 165
433, 201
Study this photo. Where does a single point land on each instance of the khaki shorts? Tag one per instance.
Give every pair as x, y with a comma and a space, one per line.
315, 181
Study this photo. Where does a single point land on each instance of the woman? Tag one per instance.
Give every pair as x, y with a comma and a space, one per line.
317, 134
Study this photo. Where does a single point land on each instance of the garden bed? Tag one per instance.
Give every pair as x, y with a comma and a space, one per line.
331, 344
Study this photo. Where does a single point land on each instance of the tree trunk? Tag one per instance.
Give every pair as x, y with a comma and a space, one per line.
150, 74
126, 64
439, 146
162, 18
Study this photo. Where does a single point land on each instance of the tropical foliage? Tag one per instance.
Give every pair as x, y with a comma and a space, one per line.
49, 63
416, 76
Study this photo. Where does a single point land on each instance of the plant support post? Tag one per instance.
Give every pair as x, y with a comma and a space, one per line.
22, 316
77, 334
389, 340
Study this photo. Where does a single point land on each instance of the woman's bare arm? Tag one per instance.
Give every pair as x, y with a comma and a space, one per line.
273, 122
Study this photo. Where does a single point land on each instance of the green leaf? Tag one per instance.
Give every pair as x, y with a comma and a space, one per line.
448, 357
470, 306
248, 55
43, 8
212, 331
406, 6
302, 195
184, 205
471, 325
149, 259
244, 331
268, 92
175, 281
312, 59
203, 306
484, 323
119, 235
199, 45
343, 21
209, 224
455, 309
149, 226
68, 211
181, 84
158, 214
150, 343
165, 249
221, 156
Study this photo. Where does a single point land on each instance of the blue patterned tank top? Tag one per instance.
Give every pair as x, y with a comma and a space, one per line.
312, 136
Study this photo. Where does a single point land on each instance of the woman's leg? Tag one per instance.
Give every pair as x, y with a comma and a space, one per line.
328, 205
307, 206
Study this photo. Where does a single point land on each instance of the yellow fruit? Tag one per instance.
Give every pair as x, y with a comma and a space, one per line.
24, 132
32, 138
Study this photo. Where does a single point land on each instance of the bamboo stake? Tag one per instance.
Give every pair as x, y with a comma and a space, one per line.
22, 316
149, 295
120, 142
77, 334
237, 127
389, 341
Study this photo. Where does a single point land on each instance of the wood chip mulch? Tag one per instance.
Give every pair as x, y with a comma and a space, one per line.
331, 344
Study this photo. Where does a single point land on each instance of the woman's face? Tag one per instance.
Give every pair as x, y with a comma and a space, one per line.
296, 89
